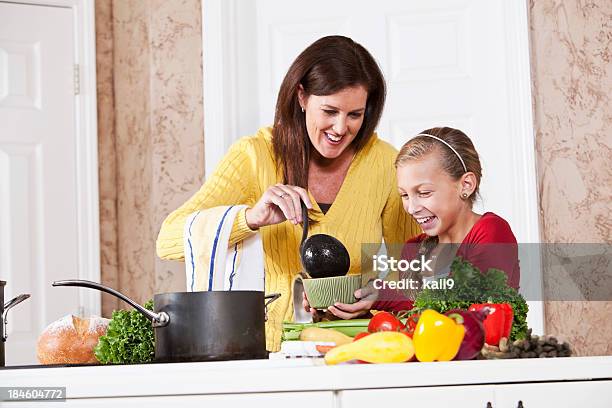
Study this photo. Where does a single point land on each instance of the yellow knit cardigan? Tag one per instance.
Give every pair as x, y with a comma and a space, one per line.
366, 209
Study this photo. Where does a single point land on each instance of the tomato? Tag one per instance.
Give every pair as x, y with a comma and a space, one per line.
411, 323
360, 335
384, 321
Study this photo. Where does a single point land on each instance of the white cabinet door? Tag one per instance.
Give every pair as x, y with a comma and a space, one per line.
592, 394
262, 400
424, 397
38, 199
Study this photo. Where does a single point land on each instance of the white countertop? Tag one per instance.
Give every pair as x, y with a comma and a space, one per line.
296, 375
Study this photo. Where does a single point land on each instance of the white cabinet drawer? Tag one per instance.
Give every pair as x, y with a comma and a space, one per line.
250, 400
472, 396
592, 394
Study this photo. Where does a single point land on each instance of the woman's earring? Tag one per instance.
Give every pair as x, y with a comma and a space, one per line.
464, 196
302, 109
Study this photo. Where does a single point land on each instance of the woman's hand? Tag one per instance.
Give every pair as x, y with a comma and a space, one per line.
278, 203
366, 295
306, 305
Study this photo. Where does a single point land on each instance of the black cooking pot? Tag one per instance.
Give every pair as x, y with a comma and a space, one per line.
4, 308
202, 326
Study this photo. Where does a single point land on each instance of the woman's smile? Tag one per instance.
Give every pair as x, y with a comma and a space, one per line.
333, 139
333, 121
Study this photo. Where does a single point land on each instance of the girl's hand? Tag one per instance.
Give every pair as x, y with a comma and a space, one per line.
367, 296
278, 203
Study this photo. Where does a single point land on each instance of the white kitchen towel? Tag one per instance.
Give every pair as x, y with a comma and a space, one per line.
299, 314
210, 263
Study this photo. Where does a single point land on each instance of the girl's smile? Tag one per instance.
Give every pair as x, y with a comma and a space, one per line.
432, 197
427, 223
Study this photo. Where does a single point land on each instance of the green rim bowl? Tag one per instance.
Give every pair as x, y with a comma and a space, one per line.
324, 292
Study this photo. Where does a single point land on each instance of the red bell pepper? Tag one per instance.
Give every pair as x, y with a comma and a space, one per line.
498, 323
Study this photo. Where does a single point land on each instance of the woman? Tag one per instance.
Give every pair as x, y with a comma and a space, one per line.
323, 150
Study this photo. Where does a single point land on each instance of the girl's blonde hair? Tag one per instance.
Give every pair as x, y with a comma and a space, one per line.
422, 145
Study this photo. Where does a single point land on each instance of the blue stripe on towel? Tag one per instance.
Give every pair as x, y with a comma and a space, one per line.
191, 252
214, 250
231, 278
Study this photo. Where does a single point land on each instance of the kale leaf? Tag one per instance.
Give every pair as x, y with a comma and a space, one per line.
129, 338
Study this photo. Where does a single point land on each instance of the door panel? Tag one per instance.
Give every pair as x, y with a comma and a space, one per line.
38, 212
444, 63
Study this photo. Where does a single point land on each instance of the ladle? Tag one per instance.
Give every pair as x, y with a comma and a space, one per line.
322, 255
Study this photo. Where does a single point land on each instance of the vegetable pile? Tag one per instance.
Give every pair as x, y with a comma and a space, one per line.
471, 286
480, 317
129, 338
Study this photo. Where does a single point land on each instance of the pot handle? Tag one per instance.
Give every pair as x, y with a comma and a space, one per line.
7, 306
272, 297
157, 319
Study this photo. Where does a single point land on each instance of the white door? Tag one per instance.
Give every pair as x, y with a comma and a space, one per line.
38, 211
457, 63
447, 63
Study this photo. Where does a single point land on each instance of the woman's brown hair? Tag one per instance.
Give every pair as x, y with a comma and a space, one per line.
327, 66
420, 146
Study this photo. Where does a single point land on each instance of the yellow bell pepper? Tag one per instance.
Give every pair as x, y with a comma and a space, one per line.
381, 347
437, 337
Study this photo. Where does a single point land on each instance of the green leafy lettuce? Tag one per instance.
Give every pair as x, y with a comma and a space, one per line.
129, 338
472, 286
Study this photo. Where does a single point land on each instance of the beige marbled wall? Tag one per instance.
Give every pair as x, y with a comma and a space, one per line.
106, 151
150, 136
572, 84
177, 119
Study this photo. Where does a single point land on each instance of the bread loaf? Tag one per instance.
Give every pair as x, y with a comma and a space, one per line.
71, 340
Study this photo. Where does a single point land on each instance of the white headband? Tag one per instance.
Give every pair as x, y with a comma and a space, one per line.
447, 144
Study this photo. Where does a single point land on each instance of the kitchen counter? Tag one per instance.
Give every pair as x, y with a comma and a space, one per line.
308, 382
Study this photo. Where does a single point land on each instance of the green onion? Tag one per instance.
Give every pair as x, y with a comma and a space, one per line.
291, 331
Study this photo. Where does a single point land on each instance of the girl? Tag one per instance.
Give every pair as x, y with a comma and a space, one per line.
438, 176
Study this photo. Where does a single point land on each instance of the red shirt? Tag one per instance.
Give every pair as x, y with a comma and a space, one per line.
481, 247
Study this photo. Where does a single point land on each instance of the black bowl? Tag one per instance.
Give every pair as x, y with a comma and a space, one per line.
324, 256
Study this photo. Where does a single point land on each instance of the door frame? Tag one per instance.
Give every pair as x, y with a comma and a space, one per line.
220, 79
86, 128
222, 109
